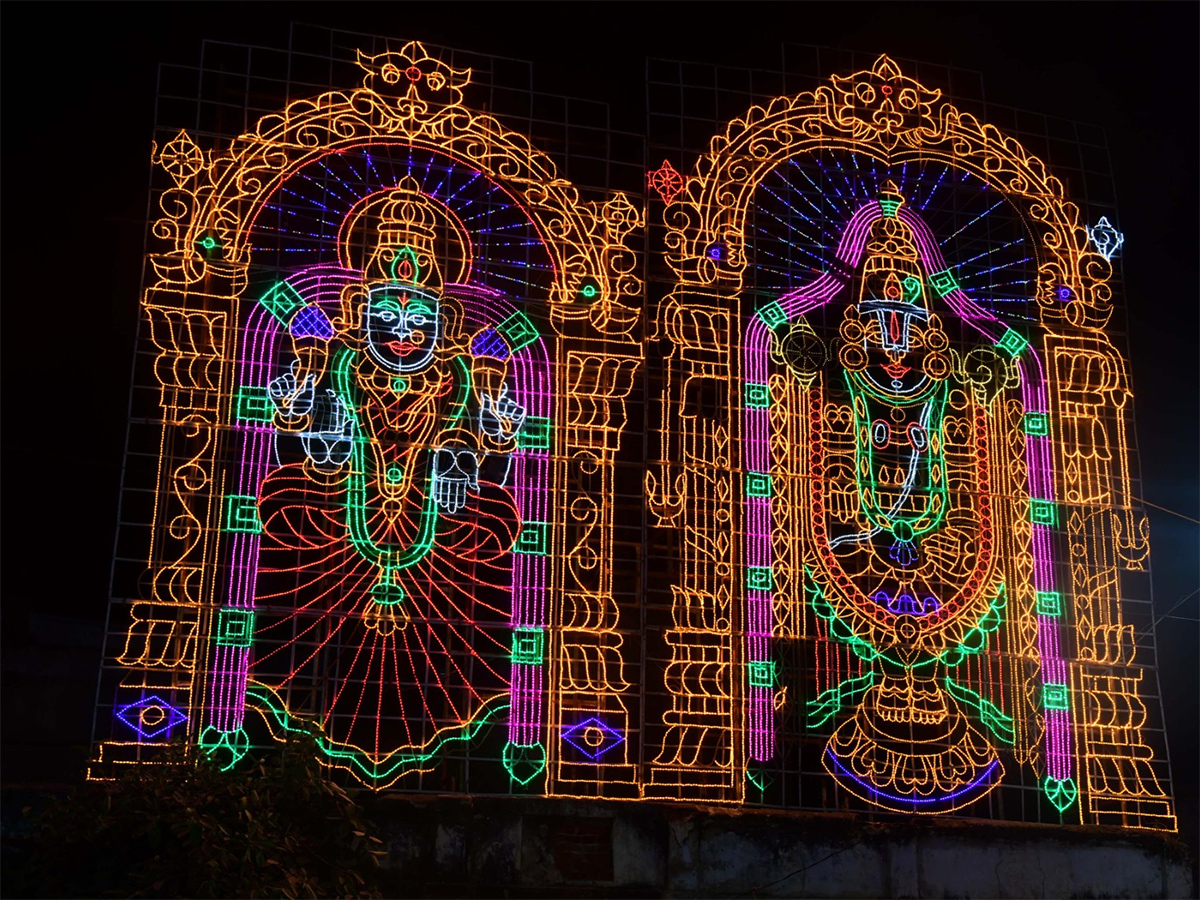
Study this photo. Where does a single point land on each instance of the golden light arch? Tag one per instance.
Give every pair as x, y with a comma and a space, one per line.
1054, 477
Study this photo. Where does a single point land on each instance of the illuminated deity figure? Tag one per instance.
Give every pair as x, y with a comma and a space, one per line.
905, 563
396, 521
389, 545
909, 485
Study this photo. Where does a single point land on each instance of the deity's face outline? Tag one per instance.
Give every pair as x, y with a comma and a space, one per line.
402, 325
895, 323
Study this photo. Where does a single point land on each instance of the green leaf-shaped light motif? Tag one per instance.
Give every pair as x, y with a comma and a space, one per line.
829, 703
1061, 793
987, 713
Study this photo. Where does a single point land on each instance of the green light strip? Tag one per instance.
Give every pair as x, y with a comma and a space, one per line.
977, 638
839, 630
973, 642
1000, 725
829, 703
262, 696
356, 493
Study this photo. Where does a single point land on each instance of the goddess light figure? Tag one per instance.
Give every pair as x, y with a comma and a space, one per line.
905, 565
388, 541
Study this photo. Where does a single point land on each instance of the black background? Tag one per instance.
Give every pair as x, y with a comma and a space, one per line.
78, 100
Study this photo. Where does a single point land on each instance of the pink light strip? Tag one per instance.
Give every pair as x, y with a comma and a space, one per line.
756, 457
1040, 482
231, 665
756, 369
533, 376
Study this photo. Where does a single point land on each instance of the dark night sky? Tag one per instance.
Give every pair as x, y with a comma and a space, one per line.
78, 98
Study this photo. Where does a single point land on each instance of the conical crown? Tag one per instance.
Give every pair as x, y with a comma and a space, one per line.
404, 247
890, 241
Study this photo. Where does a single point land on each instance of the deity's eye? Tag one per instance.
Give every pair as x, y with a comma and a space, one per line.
865, 93
908, 98
386, 316
416, 319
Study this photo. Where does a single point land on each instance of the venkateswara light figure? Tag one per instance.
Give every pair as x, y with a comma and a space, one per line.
893, 442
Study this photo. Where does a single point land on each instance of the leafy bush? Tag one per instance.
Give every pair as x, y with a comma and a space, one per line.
272, 828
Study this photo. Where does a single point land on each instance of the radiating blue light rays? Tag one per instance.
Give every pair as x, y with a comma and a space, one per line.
501, 278
786, 261
823, 193
371, 167
800, 210
802, 195
1005, 266
860, 179
933, 190
986, 212
303, 221
987, 252
849, 184
801, 242
474, 178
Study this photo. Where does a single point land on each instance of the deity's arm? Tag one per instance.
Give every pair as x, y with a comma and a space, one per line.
456, 450
293, 393
500, 417
479, 432
307, 408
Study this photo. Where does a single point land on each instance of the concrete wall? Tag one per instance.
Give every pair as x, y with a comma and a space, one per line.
518, 847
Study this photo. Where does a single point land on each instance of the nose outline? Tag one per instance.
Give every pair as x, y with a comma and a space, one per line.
893, 333
401, 329
897, 333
